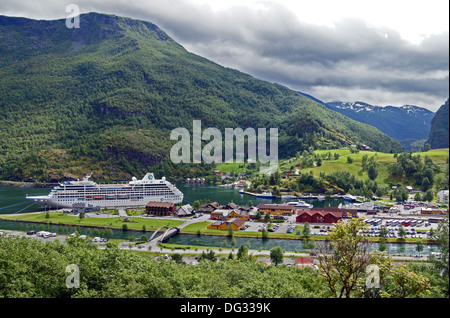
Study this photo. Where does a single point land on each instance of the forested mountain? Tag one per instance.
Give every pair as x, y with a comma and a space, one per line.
439, 128
103, 98
407, 124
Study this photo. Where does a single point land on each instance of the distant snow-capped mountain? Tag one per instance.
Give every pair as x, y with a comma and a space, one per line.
406, 124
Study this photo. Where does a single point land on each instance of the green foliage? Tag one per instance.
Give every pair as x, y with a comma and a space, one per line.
276, 255
30, 268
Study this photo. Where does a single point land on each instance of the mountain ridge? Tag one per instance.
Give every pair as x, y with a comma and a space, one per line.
104, 98
407, 123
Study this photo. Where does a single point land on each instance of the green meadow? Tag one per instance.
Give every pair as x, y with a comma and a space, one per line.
150, 224
439, 157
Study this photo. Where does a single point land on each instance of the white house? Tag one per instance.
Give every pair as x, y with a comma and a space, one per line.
442, 196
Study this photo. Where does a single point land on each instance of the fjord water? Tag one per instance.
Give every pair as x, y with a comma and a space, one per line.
12, 199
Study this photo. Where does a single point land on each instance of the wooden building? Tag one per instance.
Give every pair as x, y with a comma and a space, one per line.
347, 213
184, 211
209, 207
276, 209
160, 208
220, 214
236, 224
318, 216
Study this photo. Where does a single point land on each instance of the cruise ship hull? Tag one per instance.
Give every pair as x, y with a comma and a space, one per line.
89, 194
46, 202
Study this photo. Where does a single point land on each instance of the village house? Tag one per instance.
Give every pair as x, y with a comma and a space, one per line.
184, 211
235, 224
209, 207
160, 208
245, 213
442, 196
195, 180
433, 211
220, 214
409, 188
305, 262
347, 213
230, 206
318, 216
276, 209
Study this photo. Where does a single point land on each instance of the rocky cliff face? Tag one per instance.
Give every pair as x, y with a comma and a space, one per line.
439, 128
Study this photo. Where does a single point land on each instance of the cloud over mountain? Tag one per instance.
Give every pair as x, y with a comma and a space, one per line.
350, 61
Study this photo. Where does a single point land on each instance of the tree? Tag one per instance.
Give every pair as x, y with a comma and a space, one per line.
230, 230
243, 255
418, 197
265, 234
347, 266
196, 205
276, 255
306, 229
441, 264
177, 258
401, 232
426, 183
372, 172
428, 196
210, 256
419, 246
344, 259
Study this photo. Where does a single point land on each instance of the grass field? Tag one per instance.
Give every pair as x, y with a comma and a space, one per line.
439, 157
151, 224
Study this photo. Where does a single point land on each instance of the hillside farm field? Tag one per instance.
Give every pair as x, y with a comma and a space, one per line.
439, 157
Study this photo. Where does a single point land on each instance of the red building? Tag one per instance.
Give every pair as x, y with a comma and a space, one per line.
318, 216
161, 208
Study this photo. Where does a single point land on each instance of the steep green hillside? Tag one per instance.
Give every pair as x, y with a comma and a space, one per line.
103, 98
439, 128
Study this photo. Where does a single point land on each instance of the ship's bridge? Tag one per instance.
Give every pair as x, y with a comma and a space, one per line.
147, 179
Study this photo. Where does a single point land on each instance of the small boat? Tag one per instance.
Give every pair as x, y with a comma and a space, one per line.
268, 195
321, 197
301, 204
288, 197
350, 198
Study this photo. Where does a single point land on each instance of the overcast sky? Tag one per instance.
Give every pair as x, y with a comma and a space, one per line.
383, 52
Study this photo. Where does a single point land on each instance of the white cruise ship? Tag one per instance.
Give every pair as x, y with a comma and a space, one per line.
131, 194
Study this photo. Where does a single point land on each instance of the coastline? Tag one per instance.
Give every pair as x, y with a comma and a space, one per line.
24, 184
